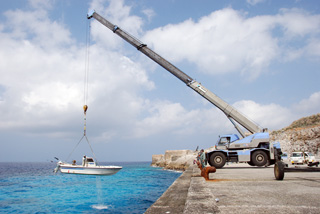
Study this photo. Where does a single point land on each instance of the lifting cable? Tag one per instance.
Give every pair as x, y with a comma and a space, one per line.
86, 75
86, 72
85, 90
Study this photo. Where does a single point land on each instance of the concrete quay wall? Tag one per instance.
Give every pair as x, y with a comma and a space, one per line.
239, 188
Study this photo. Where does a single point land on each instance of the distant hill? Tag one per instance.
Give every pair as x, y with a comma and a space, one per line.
301, 135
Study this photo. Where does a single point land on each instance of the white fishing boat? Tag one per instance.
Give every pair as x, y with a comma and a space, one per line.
88, 167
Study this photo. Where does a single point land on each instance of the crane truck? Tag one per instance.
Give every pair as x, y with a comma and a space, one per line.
254, 149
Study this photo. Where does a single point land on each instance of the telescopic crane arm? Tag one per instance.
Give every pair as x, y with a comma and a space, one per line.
227, 109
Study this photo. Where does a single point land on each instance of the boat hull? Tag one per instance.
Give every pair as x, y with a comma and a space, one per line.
89, 170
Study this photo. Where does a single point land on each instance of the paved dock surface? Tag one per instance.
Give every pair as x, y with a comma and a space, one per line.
239, 188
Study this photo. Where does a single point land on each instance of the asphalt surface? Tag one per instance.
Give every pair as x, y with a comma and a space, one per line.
239, 188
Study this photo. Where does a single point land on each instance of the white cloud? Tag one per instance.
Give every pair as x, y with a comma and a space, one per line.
36, 27
227, 41
308, 106
275, 116
169, 118
298, 23
41, 4
224, 41
38, 60
313, 48
254, 2
301, 29
42, 78
149, 13
163, 117
271, 116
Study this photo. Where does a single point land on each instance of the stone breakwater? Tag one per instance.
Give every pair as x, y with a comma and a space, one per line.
174, 159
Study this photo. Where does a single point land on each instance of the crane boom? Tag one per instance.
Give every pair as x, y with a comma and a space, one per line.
227, 109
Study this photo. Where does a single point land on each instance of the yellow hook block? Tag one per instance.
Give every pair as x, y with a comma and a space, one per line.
85, 108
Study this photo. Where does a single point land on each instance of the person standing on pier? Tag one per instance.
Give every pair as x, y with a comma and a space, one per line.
202, 159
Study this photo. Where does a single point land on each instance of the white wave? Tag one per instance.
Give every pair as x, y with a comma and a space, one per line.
100, 207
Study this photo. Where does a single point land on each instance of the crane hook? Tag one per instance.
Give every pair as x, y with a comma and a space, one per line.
85, 108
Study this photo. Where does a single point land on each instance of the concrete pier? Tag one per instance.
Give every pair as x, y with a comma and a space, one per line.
239, 188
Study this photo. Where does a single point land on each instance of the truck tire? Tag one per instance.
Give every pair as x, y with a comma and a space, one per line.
259, 158
218, 160
250, 163
268, 163
279, 170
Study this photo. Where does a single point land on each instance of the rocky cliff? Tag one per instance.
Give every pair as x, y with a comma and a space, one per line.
301, 135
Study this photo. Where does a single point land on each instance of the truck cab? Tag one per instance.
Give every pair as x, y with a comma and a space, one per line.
233, 142
224, 141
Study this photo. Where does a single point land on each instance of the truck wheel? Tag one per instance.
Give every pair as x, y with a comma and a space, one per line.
268, 163
259, 158
250, 163
279, 170
218, 160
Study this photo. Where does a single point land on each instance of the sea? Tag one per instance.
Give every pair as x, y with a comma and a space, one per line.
35, 188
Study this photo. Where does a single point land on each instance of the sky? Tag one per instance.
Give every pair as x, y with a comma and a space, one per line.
260, 56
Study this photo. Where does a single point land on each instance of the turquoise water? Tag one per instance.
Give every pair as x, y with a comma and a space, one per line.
34, 188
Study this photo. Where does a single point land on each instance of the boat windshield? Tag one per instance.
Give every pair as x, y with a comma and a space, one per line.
90, 160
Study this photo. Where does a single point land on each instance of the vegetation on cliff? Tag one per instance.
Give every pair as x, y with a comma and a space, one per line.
305, 122
302, 123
